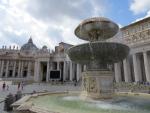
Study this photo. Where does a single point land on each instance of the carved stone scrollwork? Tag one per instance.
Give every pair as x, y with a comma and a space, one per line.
92, 85
85, 88
94, 35
89, 84
139, 36
148, 32
134, 37
128, 40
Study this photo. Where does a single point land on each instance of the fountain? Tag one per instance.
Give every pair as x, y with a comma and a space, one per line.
97, 55
97, 80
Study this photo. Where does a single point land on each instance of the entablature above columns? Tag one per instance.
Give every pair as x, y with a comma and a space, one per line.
140, 49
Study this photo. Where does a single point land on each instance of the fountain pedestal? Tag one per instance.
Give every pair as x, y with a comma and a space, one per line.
97, 84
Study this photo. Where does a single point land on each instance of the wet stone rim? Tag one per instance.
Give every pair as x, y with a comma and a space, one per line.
103, 52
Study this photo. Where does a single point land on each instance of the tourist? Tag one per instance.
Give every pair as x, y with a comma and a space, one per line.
4, 85
75, 82
18, 85
22, 85
7, 87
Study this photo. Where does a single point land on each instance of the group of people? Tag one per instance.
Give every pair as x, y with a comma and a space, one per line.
6, 86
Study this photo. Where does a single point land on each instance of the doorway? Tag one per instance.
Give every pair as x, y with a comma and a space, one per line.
43, 71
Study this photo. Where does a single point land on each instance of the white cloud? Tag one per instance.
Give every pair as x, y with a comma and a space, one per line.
140, 6
147, 15
48, 21
120, 25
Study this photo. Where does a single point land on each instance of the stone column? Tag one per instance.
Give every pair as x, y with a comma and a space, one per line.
67, 70
57, 65
73, 71
22, 63
51, 65
137, 69
78, 71
36, 71
19, 67
47, 75
127, 70
70, 71
64, 71
14, 69
0, 63
7, 66
84, 68
147, 66
51, 68
29, 69
2, 68
118, 72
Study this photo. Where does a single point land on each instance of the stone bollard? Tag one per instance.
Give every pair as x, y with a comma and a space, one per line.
8, 101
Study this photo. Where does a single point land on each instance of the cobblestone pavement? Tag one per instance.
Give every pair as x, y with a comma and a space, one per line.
34, 87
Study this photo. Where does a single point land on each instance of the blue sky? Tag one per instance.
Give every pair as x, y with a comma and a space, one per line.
121, 12
52, 21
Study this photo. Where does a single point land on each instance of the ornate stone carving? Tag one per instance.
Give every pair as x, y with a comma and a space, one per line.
97, 84
85, 84
92, 85
89, 84
137, 37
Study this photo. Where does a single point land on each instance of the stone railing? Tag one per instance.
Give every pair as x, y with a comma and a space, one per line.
132, 87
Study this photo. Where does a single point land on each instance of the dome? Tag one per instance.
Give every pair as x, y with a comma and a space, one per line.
29, 46
44, 47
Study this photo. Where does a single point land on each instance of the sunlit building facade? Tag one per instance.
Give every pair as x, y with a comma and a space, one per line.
30, 63
136, 67
42, 65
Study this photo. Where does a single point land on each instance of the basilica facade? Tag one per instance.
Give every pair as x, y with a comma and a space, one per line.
34, 64
38, 65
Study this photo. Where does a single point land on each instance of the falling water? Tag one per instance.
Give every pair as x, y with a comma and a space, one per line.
91, 50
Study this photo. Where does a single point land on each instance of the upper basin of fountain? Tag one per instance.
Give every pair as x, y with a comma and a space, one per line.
95, 29
103, 52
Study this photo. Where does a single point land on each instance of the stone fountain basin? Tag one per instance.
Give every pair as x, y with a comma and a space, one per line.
102, 52
103, 27
70, 102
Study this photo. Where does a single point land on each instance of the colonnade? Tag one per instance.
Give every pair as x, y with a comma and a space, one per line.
69, 71
137, 69
15, 68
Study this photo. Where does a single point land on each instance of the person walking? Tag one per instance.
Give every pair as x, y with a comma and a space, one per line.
3, 87
7, 87
22, 85
18, 85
